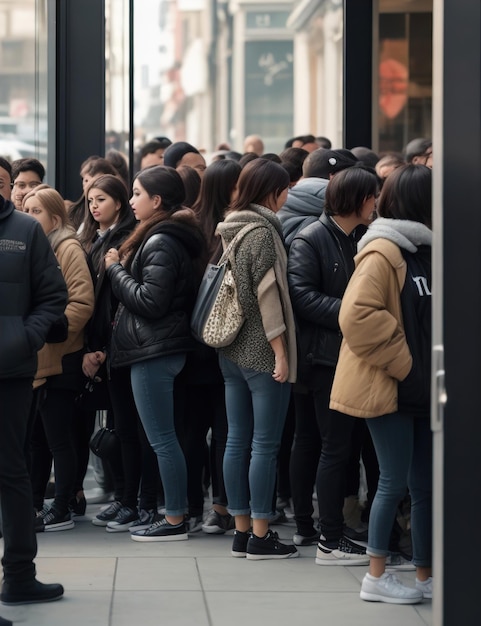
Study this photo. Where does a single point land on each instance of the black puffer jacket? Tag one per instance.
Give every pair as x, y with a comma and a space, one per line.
319, 268
157, 294
33, 294
99, 328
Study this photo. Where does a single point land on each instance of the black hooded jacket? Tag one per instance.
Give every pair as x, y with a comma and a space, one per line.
157, 293
33, 294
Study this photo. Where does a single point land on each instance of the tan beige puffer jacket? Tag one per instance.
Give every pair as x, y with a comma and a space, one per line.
374, 353
73, 264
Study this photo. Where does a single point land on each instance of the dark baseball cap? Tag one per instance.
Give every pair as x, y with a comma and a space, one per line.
323, 163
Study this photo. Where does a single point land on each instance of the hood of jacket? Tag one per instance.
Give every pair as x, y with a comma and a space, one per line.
304, 205
308, 197
59, 235
183, 225
406, 234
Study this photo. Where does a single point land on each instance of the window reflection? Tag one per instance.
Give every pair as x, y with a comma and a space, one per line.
23, 79
405, 76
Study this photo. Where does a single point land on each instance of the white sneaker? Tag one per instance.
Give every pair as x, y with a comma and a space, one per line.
397, 562
388, 589
425, 587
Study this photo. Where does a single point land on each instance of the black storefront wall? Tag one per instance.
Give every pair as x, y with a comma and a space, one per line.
80, 89
462, 309
357, 77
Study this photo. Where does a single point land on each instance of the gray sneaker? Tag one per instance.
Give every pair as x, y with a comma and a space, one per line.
217, 524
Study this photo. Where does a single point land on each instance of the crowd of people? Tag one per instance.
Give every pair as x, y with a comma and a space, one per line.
326, 385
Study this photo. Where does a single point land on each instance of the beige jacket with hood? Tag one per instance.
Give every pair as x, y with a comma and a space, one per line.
80, 306
374, 353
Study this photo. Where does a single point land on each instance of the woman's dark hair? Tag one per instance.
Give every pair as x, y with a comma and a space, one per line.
272, 156
348, 189
247, 157
119, 162
218, 183
158, 180
97, 166
258, 180
85, 164
292, 160
407, 195
94, 166
114, 187
191, 179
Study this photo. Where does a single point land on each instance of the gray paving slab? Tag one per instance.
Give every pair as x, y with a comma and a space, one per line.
111, 580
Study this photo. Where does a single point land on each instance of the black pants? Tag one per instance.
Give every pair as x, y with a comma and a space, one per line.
57, 415
198, 408
305, 455
140, 467
16, 503
84, 424
335, 432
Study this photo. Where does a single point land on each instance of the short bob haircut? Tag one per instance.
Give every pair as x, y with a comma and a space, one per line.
407, 195
258, 180
348, 189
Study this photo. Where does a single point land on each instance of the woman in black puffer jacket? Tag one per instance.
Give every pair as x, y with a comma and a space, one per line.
156, 285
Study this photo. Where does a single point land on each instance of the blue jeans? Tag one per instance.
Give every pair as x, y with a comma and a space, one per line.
153, 389
403, 446
256, 411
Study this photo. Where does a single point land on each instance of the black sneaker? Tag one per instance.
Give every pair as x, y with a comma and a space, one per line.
342, 552
162, 531
239, 544
217, 524
123, 520
30, 592
269, 547
78, 506
53, 520
146, 518
107, 515
357, 534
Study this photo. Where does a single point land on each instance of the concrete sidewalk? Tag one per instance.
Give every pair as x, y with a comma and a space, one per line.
111, 580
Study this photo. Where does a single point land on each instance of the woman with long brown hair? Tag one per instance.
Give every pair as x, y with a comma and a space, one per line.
155, 276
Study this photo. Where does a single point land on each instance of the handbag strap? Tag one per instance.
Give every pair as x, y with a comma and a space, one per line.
240, 235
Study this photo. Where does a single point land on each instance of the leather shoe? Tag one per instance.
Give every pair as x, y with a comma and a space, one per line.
30, 592
5, 622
